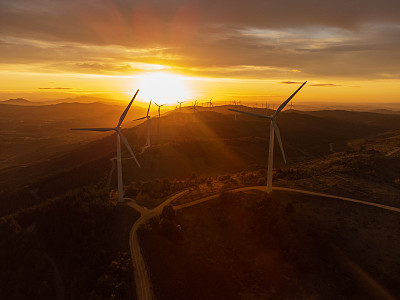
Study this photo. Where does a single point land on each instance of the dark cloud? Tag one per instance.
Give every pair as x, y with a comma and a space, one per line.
291, 82
351, 39
55, 88
325, 84
105, 21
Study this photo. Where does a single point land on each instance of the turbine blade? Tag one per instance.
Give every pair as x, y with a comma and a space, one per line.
94, 129
287, 100
126, 110
140, 118
125, 141
148, 110
251, 114
278, 135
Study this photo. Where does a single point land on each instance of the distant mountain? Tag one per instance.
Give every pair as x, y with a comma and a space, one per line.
378, 121
62, 111
20, 101
386, 111
29, 134
82, 99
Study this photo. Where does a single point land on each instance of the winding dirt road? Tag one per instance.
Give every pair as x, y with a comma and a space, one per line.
392, 152
143, 284
142, 280
264, 189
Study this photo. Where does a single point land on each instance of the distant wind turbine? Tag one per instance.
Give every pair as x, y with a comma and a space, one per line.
180, 105
148, 125
159, 109
194, 106
119, 136
211, 105
273, 127
235, 104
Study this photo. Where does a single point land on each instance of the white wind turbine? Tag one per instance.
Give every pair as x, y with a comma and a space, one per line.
148, 144
180, 105
194, 106
159, 109
119, 136
235, 104
273, 127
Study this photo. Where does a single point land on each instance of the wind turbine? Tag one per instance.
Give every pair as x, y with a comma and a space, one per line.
119, 136
211, 105
194, 109
180, 105
148, 124
194, 106
159, 109
273, 127
235, 104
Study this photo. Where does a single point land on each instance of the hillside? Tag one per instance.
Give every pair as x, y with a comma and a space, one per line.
30, 134
208, 143
70, 247
287, 246
19, 101
78, 226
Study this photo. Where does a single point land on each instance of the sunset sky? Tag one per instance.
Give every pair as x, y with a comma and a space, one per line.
254, 50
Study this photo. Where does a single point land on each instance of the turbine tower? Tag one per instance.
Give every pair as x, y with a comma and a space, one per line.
119, 136
273, 128
159, 109
148, 144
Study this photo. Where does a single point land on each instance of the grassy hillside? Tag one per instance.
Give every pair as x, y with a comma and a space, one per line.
82, 236
288, 246
85, 235
208, 143
30, 134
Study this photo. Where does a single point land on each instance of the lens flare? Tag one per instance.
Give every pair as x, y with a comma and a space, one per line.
163, 88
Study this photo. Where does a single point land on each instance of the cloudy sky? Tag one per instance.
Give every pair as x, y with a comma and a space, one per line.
252, 50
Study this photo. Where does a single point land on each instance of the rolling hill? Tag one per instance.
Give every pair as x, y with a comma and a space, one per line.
30, 134
59, 208
208, 143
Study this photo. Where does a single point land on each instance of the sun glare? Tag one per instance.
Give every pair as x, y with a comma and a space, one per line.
163, 88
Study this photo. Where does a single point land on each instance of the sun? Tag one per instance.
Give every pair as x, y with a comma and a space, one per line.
163, 88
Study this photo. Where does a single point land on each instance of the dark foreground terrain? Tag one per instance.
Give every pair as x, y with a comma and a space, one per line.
289, 246
63, 234
71, 247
